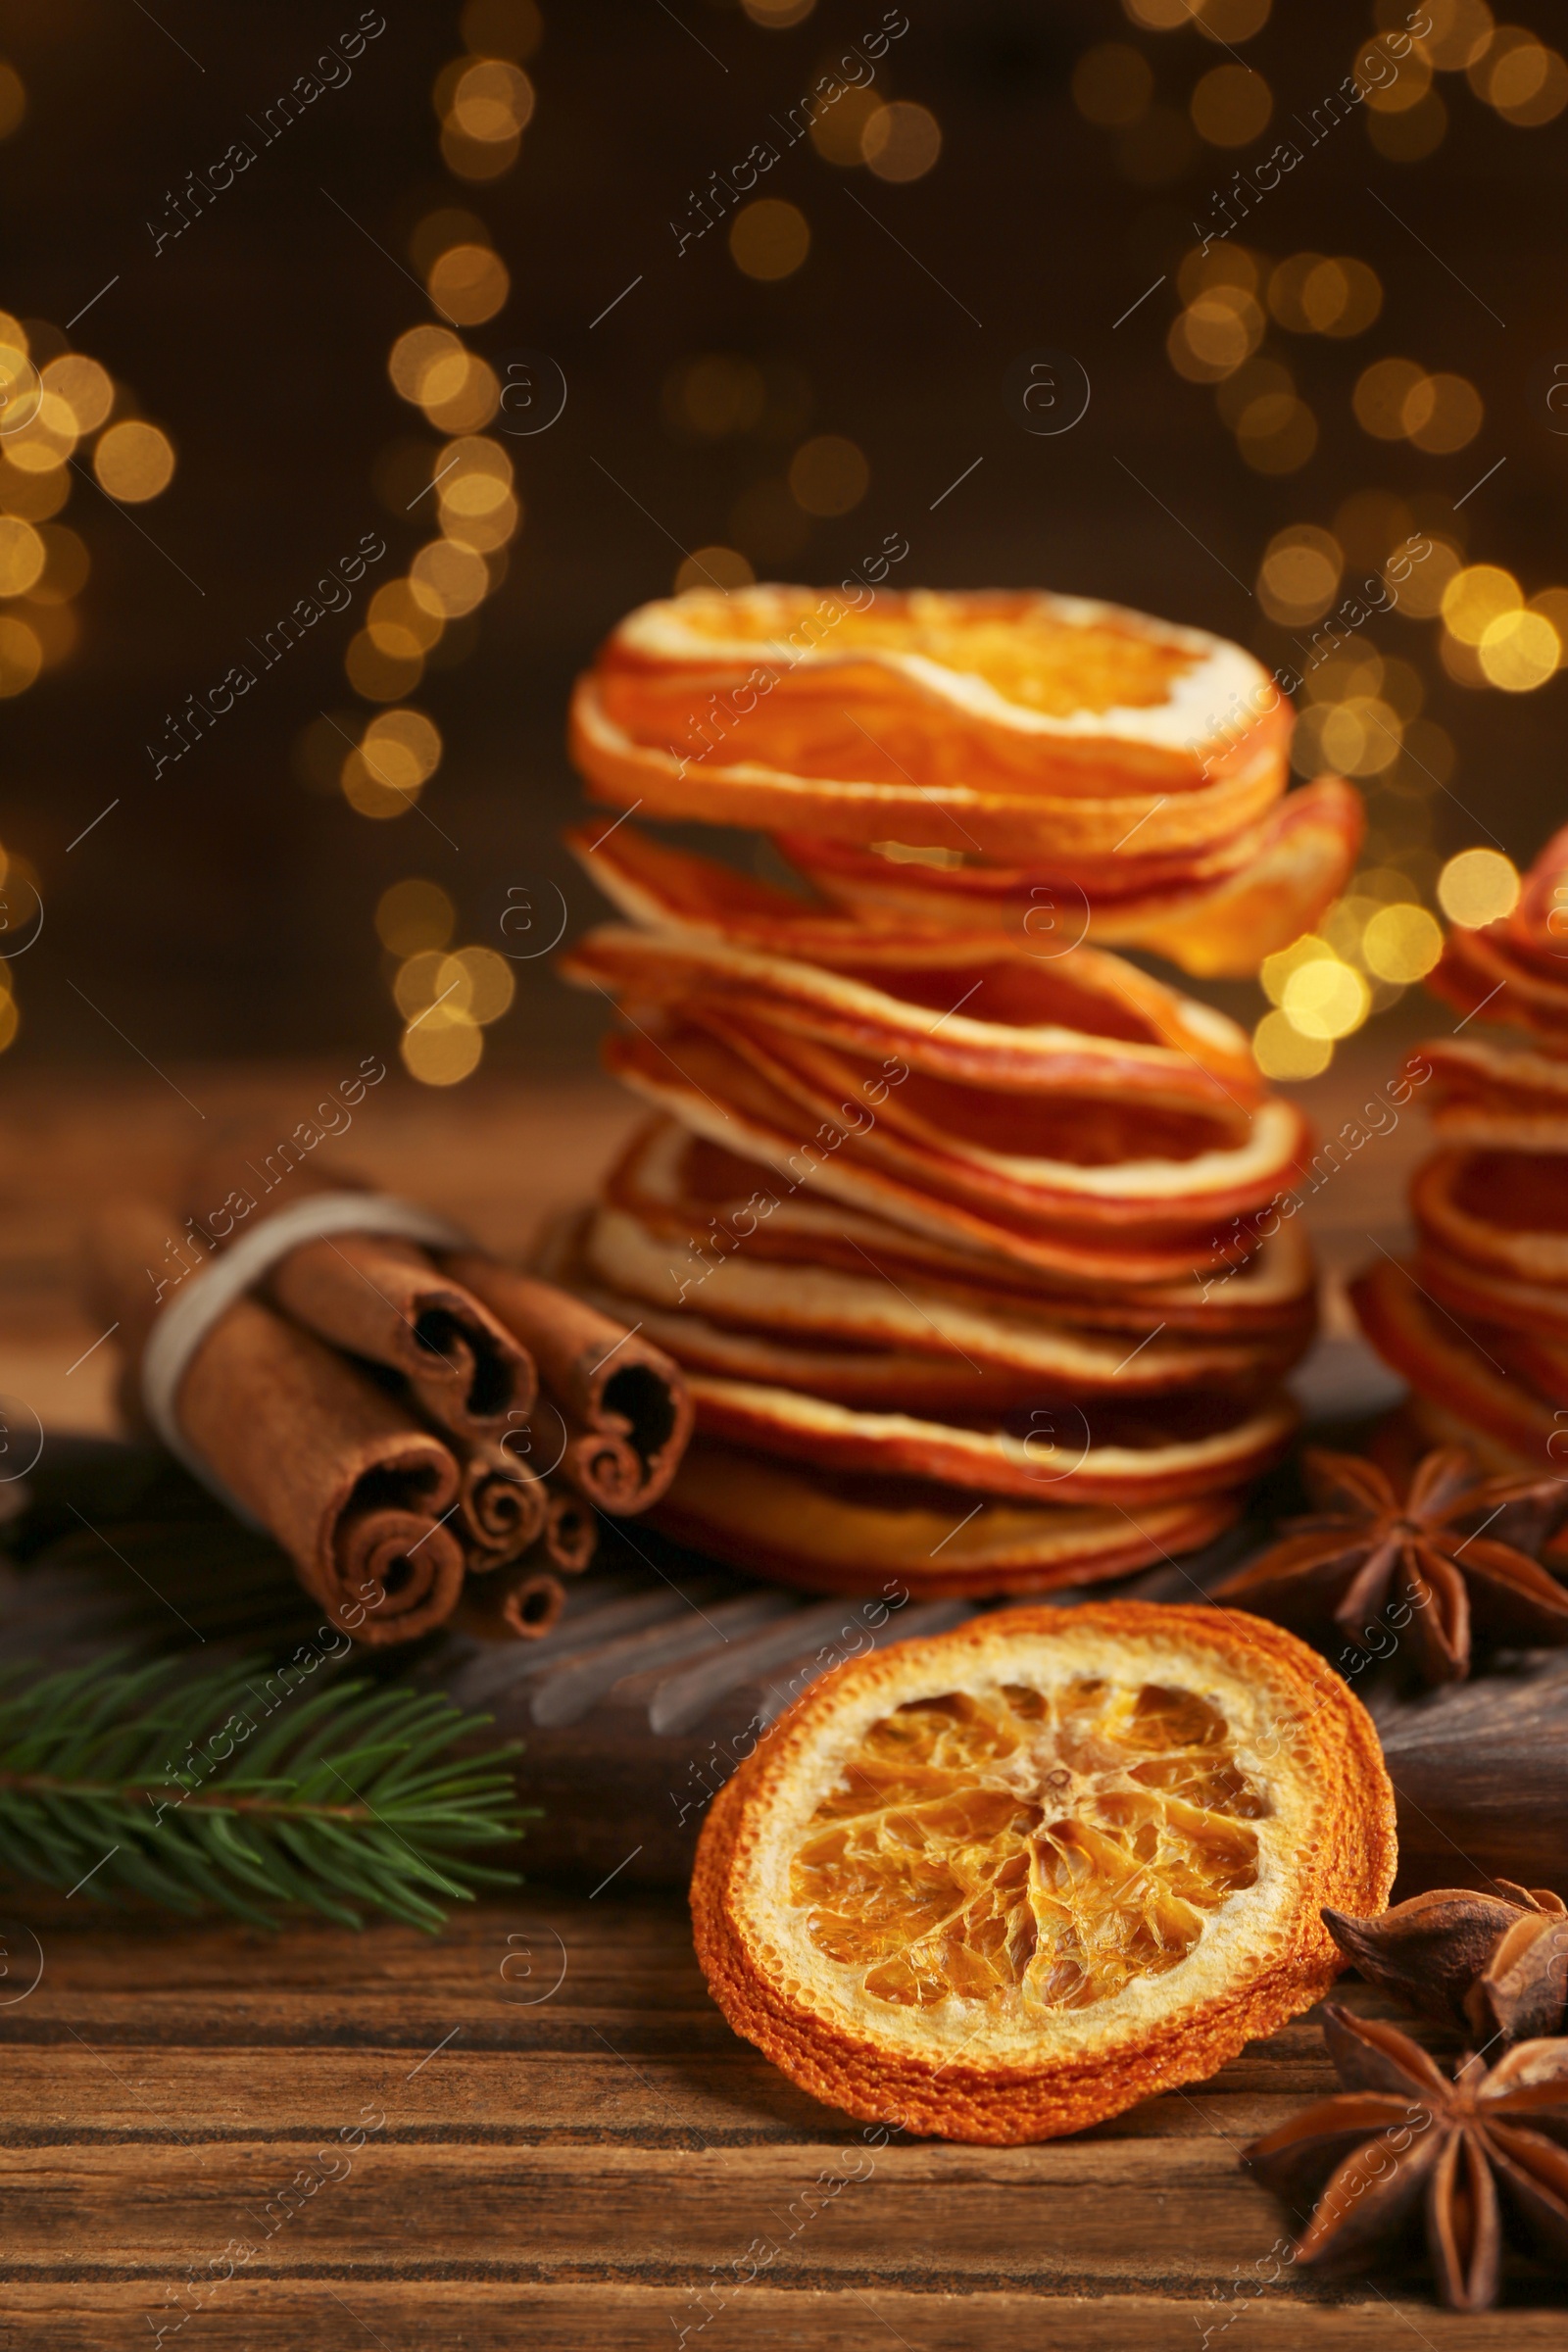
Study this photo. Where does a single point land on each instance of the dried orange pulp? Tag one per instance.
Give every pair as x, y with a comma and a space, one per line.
929, 1832
1001, 1883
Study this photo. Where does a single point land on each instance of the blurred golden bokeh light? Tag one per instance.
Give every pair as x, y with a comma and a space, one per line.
492, 100
1475, 597
448, 580
1276, 433
778, 15
1112, 84
468, 283
1325, 998
402, 748
1340, 297
1401, 944
1519, 651
828, 475
769, 238
838, 131
417, 353
1231, 106
440, 1049
1380, 395
901, 140
1300, 574
478, 982
1228, 20
1526, 82
413, 915
85, 388
66, 566
714, 395
22, 556
1479, 886
21, 656
1441, 413
1219, 328
1282, 1051
714, 567
134, 461
1456, 33
401, 623
379, 676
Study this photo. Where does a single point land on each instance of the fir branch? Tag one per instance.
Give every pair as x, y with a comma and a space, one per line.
345, 1796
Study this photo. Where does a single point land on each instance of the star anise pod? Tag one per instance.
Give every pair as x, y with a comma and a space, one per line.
1401, 2139
1383, 1572
1494, 1964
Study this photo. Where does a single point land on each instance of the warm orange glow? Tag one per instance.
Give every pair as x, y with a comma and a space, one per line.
21, 656
828, 475
769, 238
468, 283
22, 556
447, 579
84, 386
901, 141
135, 461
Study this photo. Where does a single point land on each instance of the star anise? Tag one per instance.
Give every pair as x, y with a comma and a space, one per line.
1494, 1964
1402, 2138
1383, 1572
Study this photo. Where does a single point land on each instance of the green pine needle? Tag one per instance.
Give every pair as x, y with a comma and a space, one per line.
238, 1787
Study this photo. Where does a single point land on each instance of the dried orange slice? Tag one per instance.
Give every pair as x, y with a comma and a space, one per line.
695, 1203
1461, 1386
799, 1524
1002, 1884
1006, 723
1149, 1219
1215, 911
1502, 1212
831, 1332
1481, 1094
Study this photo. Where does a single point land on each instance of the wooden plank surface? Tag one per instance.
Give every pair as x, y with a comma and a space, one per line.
537, 2128
562, 2143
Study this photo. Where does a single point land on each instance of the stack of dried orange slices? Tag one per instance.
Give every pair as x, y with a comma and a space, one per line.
1477, 1320
949, 1215
1001, 1885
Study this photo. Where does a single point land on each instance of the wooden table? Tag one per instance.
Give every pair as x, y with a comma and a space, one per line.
575, 2151
563, 2143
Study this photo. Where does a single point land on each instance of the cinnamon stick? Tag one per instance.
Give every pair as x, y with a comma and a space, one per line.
518, 1605
625, 1402
502, 1508
571, 1538
384, 1299
356, 1492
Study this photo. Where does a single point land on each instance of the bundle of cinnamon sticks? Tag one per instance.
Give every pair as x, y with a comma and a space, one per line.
424, 1430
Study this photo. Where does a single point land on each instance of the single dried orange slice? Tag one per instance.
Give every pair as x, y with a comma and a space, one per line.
1002, 1884
1008, 723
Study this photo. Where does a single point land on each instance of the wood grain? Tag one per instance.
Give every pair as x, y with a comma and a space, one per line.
563, 2144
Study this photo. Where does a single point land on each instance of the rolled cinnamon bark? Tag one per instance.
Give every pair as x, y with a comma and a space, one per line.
518, 1605
357, 1493
385, 1299
503, 1510
608, 1383
570, 1537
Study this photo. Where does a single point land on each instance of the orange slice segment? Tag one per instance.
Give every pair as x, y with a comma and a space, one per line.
1000, 1885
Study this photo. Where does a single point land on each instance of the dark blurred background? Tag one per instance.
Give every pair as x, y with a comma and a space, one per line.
228, 906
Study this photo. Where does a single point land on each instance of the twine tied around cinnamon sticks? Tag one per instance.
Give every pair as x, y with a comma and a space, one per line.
424, 1430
